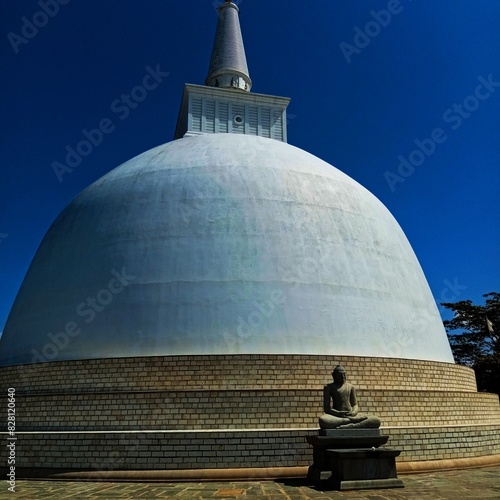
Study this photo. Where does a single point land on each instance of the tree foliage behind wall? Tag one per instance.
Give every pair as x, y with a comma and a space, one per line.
474, 335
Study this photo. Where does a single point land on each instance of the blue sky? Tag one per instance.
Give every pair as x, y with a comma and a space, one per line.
403, 96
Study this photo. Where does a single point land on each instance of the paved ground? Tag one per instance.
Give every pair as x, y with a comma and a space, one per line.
469, 484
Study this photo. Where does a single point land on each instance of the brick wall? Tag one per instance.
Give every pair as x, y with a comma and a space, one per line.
439, 443
235, 411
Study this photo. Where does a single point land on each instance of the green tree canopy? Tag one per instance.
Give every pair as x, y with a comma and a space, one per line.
474, 335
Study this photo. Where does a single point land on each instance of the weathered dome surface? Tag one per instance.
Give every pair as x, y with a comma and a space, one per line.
224, 244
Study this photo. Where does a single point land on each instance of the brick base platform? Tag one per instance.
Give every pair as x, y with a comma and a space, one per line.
222, 412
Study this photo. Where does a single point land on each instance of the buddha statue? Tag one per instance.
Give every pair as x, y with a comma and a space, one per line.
341, 407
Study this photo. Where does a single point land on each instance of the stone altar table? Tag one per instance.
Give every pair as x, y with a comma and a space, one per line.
339, 439
355, 469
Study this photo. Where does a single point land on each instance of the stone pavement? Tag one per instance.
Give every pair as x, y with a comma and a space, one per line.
480, 484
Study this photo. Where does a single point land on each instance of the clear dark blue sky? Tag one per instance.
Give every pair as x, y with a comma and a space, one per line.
358, 101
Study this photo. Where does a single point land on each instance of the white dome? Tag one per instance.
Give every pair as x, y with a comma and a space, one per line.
225, 244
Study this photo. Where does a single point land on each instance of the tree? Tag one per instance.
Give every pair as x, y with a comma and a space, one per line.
476, 341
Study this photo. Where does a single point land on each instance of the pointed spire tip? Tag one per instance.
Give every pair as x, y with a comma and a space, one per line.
228, 64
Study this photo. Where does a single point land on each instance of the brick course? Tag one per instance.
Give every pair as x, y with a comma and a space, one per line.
184, 410
235, 449
236, 372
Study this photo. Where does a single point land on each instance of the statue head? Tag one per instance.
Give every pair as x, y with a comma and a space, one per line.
339, 374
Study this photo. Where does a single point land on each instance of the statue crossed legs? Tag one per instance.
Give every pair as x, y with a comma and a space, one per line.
341, 406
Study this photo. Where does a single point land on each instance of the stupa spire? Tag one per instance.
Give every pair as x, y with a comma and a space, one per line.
225, 105
228, 64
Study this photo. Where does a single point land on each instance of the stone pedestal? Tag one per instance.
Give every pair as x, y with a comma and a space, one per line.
339, 439
364, 468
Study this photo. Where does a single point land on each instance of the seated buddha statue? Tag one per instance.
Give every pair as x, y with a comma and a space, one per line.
341, 407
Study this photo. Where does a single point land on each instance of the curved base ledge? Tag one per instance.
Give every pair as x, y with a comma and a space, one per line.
264, 473
449, 464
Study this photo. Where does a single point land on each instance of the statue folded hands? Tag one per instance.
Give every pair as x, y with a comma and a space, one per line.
341, 407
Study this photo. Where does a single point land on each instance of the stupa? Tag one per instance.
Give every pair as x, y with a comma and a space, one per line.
185, 310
